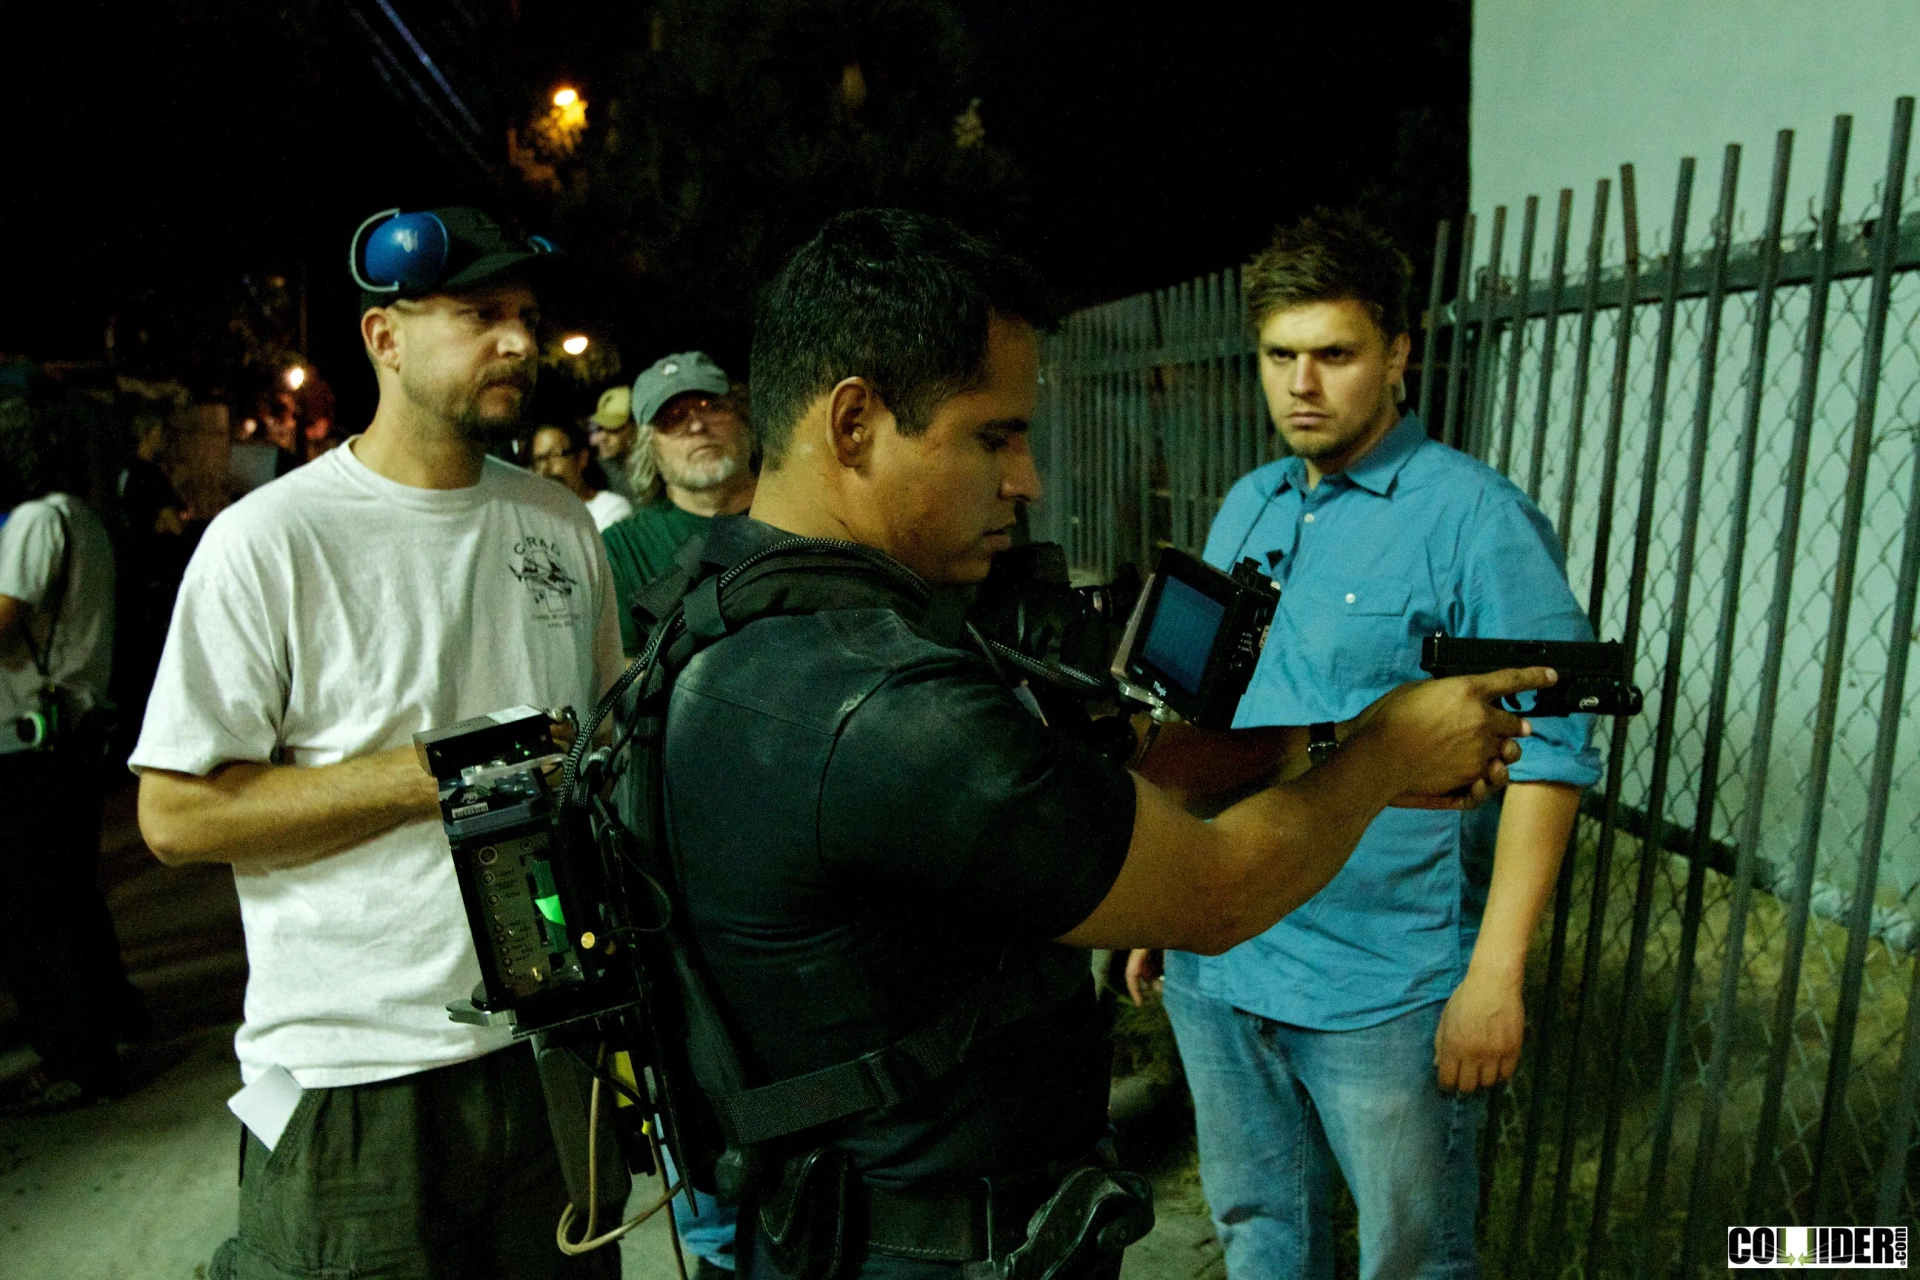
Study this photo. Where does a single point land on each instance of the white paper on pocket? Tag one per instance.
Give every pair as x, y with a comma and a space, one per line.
267, 1104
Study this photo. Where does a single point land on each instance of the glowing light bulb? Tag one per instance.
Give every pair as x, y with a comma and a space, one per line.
296, 377
565, 97
575, 345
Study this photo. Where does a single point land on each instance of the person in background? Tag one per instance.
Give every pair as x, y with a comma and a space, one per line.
561, 453
58, 950
1363, 1027
404, 581
611, 430
693, 460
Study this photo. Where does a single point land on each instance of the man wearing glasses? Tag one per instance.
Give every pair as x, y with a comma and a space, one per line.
692, 460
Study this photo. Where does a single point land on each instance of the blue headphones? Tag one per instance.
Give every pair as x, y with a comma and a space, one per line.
404, 251
408, 251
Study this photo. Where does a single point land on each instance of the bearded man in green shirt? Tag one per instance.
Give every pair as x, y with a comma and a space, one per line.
692, 461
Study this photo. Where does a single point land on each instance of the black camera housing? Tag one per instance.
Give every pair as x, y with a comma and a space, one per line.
537, 915
1196, 636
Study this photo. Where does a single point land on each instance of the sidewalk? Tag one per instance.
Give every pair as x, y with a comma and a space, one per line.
143, 1188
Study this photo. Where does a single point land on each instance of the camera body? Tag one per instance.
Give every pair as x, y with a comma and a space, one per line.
1196, 636
535, 907
1186, 643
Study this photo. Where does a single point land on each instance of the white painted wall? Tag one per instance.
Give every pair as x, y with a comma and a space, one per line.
1564, 91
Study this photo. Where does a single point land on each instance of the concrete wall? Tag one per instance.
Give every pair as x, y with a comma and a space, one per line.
1564, 91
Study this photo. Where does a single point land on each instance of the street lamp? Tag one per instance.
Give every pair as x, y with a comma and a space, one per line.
575, 344
297, 377
565, 97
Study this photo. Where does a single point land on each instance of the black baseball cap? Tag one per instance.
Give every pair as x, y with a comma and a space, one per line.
478, 250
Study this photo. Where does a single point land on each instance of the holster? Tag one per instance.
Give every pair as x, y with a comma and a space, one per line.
1083, 1228
822, 1220
807, 1219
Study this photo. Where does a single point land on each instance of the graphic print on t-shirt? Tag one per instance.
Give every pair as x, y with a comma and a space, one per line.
536, 563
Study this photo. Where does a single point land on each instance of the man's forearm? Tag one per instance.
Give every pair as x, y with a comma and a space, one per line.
260, 816
1535, 823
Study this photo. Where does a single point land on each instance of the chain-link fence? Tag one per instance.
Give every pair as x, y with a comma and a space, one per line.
1722, 1008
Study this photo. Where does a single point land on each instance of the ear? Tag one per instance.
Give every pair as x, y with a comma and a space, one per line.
379, 332
1397, 352
856, 415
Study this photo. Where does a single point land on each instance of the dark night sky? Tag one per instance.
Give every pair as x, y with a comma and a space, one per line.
164, 148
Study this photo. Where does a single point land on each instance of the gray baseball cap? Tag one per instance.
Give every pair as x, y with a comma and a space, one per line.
675, 375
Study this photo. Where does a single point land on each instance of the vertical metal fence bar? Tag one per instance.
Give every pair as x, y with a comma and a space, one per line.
1069, 474
1141, 329
1787, 1000
1216, 405
1173, 412
1702, 1230
1457, 344
1546, 1036
1867, 870
1678, 616
1523, 286
1583, 359
1110, 436
1719, 1061
1430, 337
1617, 396
1893, 1166
1650, 844
1549, 340
1768, 268
1486, 351
1597, 907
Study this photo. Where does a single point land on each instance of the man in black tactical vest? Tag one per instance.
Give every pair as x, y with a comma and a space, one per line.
885, 859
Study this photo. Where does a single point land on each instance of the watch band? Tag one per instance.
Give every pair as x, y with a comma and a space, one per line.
1321, 741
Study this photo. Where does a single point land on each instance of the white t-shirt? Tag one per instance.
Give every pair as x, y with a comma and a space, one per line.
33, 545
607, 507
334, 613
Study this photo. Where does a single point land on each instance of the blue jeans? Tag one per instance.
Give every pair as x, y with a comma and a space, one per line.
1277, 1105
707, 1233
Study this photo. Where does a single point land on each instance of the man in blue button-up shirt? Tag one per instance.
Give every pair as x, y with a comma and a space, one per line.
1360, 1028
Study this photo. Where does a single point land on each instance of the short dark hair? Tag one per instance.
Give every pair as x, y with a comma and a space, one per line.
1326, 257
901, 299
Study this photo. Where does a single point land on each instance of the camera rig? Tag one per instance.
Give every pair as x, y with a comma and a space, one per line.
572, 907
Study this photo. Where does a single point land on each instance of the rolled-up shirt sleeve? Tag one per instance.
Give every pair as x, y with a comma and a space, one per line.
1513, 586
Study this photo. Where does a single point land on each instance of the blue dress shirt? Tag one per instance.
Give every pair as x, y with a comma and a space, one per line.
1413, 538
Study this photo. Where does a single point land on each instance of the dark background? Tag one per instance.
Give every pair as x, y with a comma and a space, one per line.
178, 168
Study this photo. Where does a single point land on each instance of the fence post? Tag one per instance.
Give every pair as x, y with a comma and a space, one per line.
1549, 339
1523, 285
1597, 906
1430, 338
1652, 845
1867, 868
1583, 361
1788, 995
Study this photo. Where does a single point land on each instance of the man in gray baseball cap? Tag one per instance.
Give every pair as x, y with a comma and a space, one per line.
691, 461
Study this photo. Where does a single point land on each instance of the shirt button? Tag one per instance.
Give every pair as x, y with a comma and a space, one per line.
1308, 517
1349, 597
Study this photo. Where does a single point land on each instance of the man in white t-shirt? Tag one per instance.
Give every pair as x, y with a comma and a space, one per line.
58, 952
403, 582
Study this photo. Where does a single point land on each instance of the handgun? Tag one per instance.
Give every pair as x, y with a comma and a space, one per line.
1593, 677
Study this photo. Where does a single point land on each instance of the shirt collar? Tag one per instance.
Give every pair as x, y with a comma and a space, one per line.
1377, 468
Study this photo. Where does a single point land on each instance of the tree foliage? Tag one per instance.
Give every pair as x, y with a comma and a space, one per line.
740, 126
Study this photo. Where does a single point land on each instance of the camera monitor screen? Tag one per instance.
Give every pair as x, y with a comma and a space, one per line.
1180, 639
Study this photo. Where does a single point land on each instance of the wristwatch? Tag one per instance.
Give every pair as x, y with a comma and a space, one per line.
1321, 742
